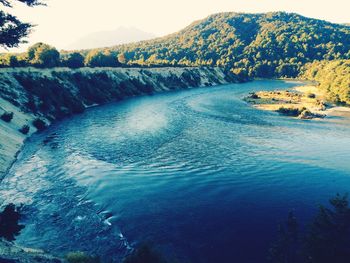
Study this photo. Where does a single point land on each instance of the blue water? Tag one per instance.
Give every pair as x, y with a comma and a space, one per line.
198, 173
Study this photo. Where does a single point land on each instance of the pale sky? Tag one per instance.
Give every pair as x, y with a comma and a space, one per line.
64, 21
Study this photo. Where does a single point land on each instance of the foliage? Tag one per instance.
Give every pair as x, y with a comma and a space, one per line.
333, 78
327, 238
12, 30
263, 45
24, 129
7, 116
144, 254
248, 45
9, 222
39, 124
294, 112
285, 248
311, 95
101, 59
43, 55
73, 60
81, 257
10, 60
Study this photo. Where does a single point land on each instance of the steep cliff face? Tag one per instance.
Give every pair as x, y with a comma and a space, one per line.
53, 94
57, 93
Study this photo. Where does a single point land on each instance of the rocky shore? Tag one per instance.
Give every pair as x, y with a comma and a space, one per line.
303, 102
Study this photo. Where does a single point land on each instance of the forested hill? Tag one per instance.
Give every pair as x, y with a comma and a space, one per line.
249, 45
262, 45
333, 78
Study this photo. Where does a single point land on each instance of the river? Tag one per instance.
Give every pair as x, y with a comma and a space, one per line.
198, 173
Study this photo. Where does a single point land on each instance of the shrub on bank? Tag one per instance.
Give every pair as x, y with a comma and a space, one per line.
311, 95
7, 116
254, 96
24, 129
293, 112
39, 124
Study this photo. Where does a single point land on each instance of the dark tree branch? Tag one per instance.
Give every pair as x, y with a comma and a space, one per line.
32, 2
7, 3
12, 30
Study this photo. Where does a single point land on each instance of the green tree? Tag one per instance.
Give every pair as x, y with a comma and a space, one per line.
97, 58
325, 240
73, 60
240, 73
328, 239
333, 78
43, 55
285, 249
11, 60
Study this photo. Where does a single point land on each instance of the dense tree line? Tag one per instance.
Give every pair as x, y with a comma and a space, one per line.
333, 78
258, 45
250, 45
45, 56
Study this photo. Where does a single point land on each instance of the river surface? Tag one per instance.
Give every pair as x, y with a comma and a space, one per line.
199, 174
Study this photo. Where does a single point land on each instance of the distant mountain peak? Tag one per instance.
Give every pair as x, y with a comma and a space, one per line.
107, 38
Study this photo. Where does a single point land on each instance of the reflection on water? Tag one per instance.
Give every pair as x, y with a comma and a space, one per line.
199, 173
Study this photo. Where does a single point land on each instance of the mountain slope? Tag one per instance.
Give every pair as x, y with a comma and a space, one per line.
261, 45
333, 78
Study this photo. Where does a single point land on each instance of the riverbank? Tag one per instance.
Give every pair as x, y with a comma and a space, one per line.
52, 94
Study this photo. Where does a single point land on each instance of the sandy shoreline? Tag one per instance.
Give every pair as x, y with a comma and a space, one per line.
270, 101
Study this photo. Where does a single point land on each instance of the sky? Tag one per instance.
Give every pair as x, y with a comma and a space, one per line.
62, 22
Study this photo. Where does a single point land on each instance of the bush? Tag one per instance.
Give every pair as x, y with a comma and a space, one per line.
97, 58
39, 124
73, 60
9, 226
81, 257
326, 239
7, 116
293, 112
311, 95
25, 129
306, 114
254, 96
